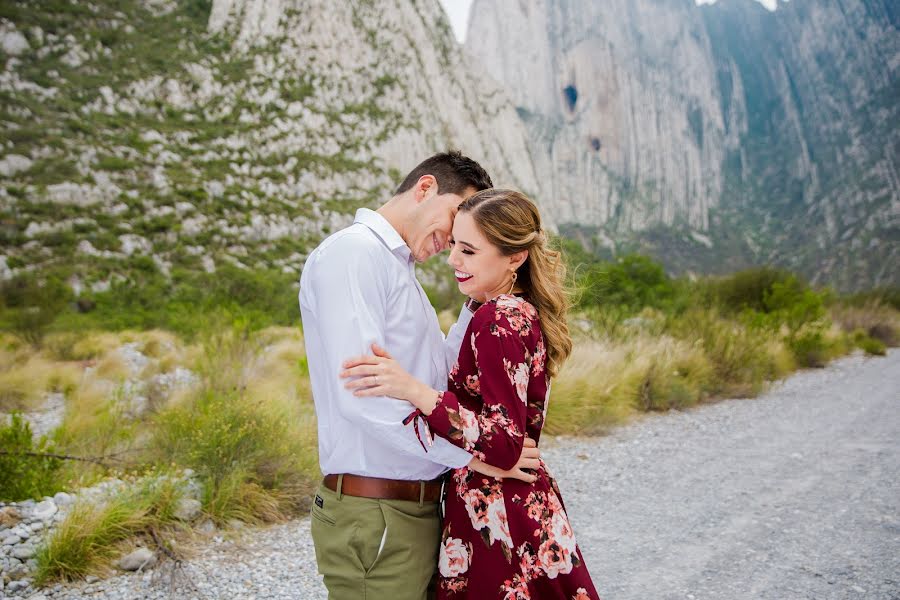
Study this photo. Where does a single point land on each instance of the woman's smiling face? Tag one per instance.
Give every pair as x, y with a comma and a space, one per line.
482, 271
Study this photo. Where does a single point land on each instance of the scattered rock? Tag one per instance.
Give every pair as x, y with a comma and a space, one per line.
23, 552
188, 509
139, 559
13, 42
9, 516
235, 524
14, 163
44, 510
207, 527
63, 499
15, 586
11, 540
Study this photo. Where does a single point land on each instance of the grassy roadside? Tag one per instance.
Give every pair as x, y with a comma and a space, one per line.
242, 421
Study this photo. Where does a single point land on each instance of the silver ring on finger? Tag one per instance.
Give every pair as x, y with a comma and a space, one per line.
375, 379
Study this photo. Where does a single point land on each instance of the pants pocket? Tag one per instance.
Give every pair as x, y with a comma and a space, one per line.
320, 515
368, 532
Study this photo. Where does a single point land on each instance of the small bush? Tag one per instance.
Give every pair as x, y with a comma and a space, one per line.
27, 378
869, 344
633, 281
677, 376
23, 476
96, 422
809, 347
234, 444
90, 535
602, 384
585, 397
191, 303
888, 296
114, 163
32, 304
748, 289
251, 443
877, 320
739, 354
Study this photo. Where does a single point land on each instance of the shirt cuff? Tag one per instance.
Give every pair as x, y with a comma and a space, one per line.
457, 458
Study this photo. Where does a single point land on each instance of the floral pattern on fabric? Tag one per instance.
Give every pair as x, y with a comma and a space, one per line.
503, 539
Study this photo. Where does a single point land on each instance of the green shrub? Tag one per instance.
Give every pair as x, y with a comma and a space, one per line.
793, 303
739, 354
809, 347
32, 304
192, 302
246, 449
633, 281
114, 163
868, 344
748, 289
23, 476
888, 296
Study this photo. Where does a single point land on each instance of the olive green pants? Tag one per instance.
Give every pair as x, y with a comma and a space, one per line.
370, 549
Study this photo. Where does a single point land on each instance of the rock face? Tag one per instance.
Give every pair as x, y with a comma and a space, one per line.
400, 55
618, 134
244, 134
707, 132
818, 162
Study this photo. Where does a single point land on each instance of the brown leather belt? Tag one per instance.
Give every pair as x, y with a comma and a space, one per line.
386, 489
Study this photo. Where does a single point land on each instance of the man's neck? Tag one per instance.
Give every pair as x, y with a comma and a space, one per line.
395, 214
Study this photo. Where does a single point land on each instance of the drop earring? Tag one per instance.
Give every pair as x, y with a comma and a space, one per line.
513, 283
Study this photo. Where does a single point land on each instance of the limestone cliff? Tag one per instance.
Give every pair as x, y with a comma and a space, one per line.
715, 136
152, 134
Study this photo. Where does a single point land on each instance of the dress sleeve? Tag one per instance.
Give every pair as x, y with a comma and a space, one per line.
496, 434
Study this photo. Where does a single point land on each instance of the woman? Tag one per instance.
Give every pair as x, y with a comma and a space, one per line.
504, 538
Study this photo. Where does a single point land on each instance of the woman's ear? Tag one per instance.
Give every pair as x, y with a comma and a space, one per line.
518, 259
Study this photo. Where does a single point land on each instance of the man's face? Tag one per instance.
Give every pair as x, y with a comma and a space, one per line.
434, 222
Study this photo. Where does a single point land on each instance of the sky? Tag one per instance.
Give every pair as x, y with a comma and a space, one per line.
458, 11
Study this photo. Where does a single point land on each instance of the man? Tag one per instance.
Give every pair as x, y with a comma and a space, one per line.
375, 522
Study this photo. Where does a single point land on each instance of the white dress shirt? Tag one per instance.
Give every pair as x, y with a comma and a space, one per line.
359, 287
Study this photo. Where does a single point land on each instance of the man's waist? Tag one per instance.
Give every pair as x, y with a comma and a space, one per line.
385, 489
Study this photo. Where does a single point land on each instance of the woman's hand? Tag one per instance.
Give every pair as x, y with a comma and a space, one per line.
529, 459
379, 374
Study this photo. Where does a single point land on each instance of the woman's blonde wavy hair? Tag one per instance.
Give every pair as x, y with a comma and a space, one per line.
511, 222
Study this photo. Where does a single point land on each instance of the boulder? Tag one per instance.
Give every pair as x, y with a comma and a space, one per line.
140, 559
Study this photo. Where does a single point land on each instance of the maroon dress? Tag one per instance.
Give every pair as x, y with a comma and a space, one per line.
503, 539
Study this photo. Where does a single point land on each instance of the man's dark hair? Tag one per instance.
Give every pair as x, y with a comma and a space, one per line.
453, 172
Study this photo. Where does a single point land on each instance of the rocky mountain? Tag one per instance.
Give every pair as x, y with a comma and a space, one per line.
155, 135
713, 136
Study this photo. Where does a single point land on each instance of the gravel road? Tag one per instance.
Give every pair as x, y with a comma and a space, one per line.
795, 494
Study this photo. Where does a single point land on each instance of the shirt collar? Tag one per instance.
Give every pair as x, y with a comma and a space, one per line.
380, 226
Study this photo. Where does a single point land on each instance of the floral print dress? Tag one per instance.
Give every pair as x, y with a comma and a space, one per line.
506, 539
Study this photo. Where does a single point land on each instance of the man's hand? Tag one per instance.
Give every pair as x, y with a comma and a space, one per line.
529, 459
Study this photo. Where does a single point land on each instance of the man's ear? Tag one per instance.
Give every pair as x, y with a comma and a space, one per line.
425, 187
518, 259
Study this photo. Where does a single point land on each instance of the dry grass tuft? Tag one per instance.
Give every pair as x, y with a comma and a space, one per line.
26, 377
93, 533
878, 321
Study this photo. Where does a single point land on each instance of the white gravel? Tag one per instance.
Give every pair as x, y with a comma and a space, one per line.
793, 495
